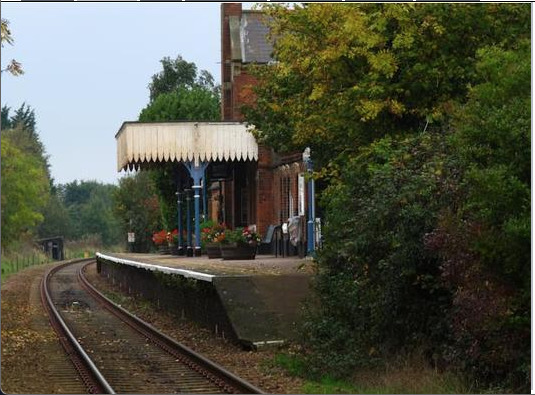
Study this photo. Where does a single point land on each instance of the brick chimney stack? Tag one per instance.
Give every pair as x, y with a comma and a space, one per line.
228, 11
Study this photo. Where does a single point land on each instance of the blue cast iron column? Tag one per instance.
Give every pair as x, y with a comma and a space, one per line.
311, 209
204, 198
179, 227
196, 170
189, 249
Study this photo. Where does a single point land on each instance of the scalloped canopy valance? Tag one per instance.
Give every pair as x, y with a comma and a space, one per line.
141, 143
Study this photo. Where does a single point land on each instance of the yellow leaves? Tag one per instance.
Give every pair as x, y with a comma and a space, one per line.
403, 40
317, 92
6, 33
369, 109
396, 107
274, 107
430, 23
383, 62
15, 340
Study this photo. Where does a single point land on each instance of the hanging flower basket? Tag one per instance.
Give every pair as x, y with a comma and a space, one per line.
236, 251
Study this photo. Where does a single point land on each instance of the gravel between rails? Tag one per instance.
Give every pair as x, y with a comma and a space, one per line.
253, 366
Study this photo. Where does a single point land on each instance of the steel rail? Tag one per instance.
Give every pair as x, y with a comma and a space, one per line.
214, 372
91, 376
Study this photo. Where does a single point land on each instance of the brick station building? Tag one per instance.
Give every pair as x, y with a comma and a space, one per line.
220, 164
244, 42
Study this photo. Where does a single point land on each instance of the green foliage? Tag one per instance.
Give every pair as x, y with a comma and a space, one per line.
21, 126
27, 256
486, 241
178, 73
406, 374
184, 103
378, 287
178, 93
419, 115
347, 74
136, 206
5, 123
24, 118
165, 179
242, 236
81, 209
56, 219
25, 187
292, 363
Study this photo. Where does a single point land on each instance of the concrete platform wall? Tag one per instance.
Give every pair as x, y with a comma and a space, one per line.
187, 298
252, 310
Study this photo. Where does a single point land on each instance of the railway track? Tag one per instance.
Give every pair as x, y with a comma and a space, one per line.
115, 352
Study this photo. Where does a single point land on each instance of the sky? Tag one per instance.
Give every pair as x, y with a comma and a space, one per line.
87, 67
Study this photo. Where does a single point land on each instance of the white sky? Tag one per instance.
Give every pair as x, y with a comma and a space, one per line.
87, 67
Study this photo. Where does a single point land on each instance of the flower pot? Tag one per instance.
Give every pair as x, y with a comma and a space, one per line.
213, 250
173, 249
237, 251
163, 249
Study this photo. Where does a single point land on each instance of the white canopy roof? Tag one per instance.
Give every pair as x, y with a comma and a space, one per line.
145, 142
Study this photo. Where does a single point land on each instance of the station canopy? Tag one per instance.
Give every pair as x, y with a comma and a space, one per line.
145, 143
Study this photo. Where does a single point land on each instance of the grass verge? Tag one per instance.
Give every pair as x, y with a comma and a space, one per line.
408, 375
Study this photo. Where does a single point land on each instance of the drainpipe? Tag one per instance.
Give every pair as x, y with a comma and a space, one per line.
311, 237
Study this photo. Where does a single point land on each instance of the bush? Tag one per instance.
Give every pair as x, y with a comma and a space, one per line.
428, 242
485, 239
379, 288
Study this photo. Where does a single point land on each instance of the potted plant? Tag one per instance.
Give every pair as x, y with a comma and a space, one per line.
212, 236
172, 241
160, 239
240, 244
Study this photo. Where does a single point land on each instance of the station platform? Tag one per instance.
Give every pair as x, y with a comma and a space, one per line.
261, 265
254, 302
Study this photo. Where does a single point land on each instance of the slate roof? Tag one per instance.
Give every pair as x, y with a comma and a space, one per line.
255, 45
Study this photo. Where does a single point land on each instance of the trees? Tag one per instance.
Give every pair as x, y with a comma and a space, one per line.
177, 73
358, 72
178, 93
419, 115
137, 208
196, 103
484, 239
56, 218
379, 286
25, 175
90, 209
25, 189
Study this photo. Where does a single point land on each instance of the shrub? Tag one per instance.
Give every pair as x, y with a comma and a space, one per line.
378, 287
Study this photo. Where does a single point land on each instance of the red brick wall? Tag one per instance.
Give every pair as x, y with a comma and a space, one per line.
242, 92
264, 195
237, 89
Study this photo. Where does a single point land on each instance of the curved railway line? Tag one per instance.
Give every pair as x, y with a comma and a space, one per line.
115, 352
